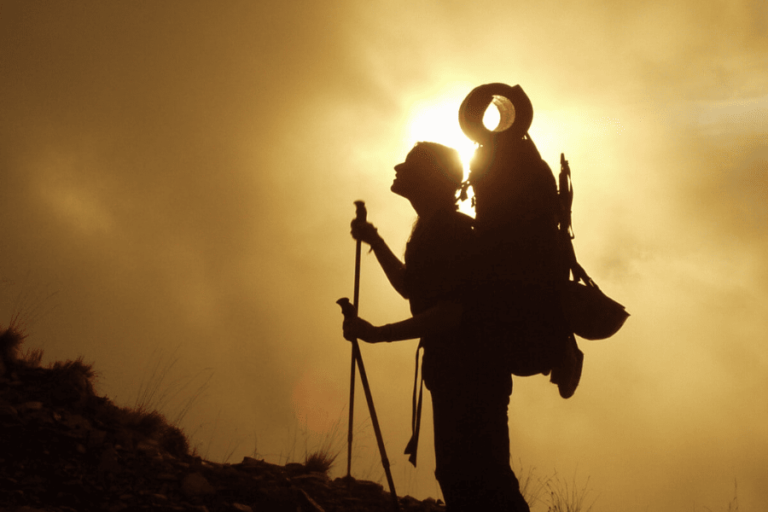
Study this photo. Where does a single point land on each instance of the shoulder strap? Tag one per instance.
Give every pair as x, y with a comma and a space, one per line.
565, 194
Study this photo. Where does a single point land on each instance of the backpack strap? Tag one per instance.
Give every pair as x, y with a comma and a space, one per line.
565, 194
418, 393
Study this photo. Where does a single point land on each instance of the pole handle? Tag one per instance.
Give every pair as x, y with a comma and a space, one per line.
347, 309
360, 212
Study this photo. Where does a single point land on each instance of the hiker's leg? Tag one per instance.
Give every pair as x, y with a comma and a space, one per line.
455, 470
472, 446
498, 487
447, 443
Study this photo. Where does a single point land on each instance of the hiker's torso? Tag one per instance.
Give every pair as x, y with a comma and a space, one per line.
438, 267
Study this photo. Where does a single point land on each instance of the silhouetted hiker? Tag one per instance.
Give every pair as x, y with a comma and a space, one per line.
470, 390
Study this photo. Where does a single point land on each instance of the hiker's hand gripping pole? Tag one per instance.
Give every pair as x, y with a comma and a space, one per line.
350, 311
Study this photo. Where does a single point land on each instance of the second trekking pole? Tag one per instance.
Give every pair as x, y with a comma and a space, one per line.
350, 311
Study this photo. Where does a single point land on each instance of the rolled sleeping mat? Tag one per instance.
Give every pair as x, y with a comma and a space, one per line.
515, 112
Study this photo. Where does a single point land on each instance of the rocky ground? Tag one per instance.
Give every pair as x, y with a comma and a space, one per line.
64, 449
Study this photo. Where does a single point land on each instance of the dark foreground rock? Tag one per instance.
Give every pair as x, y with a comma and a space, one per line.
64, 449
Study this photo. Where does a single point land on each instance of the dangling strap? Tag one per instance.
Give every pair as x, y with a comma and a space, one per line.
565, 196
418, 391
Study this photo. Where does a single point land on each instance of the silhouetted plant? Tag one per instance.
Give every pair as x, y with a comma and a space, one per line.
31, 358
322, 458
320, 451
72, 380
28, 306
531, 485
173, 440
232, 446
10, 340
564, 497
69, 381
150, 425
155, 394
320, 461
733, 505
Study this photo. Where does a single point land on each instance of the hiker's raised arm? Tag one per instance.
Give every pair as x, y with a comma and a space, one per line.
443, 317
391, 264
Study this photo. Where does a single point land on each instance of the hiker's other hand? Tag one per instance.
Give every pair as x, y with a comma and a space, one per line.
357, 328
365, 232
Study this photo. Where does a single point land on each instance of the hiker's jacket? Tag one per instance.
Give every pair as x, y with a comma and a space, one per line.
438, 268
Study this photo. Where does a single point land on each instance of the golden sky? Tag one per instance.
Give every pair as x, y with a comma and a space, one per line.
177, 180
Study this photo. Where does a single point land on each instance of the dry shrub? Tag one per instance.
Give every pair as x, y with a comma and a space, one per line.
322, 458
320, 461
565, 497
153, 425
174, 441
71, 381
10, 341
31, 358
531, 485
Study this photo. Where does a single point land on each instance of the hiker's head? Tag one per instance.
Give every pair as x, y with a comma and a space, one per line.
430, 171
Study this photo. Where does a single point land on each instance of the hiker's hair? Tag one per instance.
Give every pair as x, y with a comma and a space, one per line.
447, 162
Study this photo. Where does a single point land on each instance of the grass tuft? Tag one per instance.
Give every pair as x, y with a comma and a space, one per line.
10, 341
31, 358
173, 440
155, 393
150, 425
74, 378
531, 485
565, 497
320, 461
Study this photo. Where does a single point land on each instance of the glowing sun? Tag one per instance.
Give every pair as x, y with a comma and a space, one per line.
437, 120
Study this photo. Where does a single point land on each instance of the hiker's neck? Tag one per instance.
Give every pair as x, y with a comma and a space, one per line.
426, 207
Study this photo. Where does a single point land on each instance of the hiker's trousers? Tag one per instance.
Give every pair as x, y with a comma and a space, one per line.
472, 444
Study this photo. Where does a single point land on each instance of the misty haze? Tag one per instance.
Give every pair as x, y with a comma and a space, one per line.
177, 183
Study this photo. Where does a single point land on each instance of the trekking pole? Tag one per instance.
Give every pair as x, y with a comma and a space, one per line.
361, 215
350, 311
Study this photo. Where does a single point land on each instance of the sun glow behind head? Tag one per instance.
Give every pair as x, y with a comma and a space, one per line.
434, 120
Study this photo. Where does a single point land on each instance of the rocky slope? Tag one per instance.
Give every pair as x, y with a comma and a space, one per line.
62, 448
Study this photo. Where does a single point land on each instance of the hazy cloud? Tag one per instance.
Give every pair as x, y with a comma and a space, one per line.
177, 181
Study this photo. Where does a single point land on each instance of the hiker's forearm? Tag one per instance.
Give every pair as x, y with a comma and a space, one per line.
391, 264
444, 317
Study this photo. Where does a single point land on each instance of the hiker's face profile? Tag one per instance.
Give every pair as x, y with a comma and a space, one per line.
412, 175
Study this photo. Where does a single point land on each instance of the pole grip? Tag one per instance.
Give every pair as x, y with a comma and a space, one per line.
347, 309
360, 212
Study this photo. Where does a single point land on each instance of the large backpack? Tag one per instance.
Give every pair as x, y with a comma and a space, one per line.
531, 295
